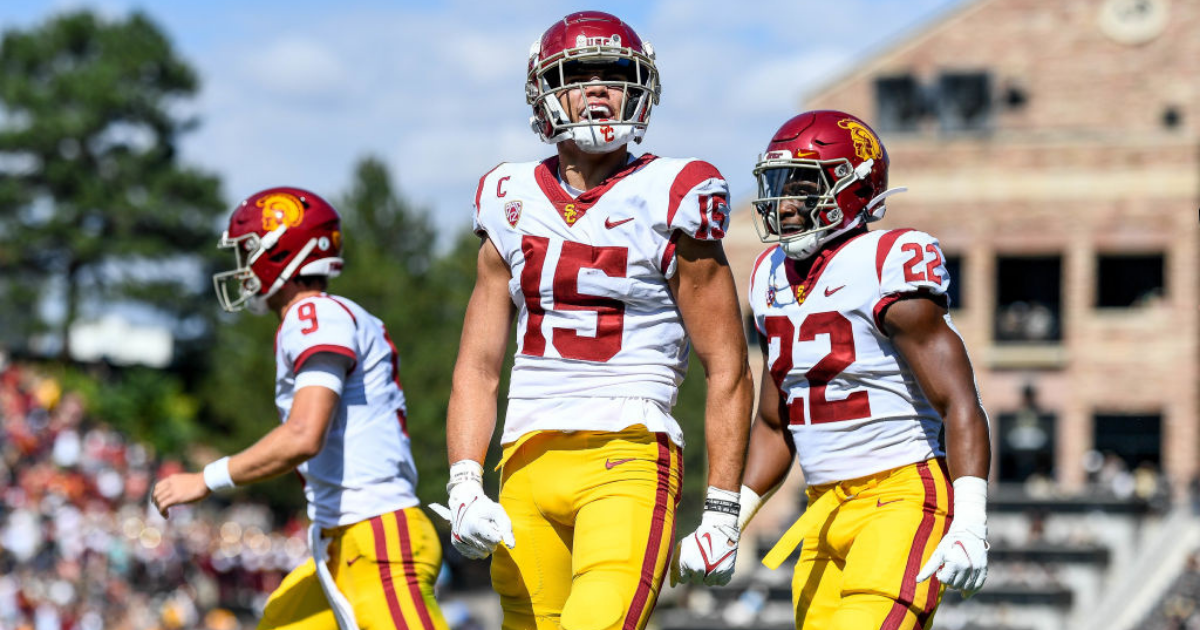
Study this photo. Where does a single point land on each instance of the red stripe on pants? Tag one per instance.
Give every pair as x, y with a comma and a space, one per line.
908, 586
385, 572
410, 571
931, 600
642, 596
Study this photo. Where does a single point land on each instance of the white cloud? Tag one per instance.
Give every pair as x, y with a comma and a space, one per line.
296, 93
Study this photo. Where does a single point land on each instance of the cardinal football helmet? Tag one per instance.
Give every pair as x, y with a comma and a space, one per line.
580, 44
276, 235
828, 166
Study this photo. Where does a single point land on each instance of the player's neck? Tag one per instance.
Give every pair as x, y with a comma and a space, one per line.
289, 294
585, 171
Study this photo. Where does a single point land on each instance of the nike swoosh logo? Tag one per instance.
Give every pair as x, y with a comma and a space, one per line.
880, 503
610, 224
829, 292
709, 566
356, 559
610, 464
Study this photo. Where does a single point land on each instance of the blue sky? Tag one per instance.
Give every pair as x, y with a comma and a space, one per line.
295, 92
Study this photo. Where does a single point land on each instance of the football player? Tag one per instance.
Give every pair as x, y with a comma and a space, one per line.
863, 370
375, 553
611, 263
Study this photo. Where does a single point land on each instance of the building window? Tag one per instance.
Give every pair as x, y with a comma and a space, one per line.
899, 104
1026, 446
955, 292
1125, 281
1028, 299
1134, 438
964, 101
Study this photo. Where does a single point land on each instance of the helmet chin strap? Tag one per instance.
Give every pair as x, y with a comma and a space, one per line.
252, 302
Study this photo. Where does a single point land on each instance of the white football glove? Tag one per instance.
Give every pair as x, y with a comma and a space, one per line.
707, 555
960, 560
477, 523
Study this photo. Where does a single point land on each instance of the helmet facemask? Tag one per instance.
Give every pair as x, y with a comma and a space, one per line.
623, 68
797, 202
238, 287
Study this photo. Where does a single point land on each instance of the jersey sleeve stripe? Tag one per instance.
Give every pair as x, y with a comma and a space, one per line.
479, 191
308, 354
668, 253
757, 262
410, 571
885, 247
882, 305
691, 176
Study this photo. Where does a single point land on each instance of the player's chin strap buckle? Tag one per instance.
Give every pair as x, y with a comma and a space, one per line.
876, 208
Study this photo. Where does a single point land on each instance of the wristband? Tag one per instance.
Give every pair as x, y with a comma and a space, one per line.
970, 501
465, 470
216, 475
722, 501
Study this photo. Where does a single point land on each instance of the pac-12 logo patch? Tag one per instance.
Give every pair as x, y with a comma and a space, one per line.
512, 212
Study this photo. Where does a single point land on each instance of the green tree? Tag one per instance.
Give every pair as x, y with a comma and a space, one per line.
93, 201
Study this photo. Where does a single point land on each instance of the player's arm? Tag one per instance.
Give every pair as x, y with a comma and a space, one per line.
281, 450
477, 523
707, 299
938, 359
471, 418
771, 451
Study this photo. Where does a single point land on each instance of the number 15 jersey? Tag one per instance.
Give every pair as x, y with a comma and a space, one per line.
596, 317
852, 404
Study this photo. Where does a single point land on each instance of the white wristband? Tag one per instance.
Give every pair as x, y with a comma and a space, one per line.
750, 502
465, 470
216, 475
970, 501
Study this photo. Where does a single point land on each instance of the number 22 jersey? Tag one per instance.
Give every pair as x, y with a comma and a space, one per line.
600, 341
852, 404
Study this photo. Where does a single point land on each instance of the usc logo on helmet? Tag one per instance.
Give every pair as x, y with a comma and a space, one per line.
280, 209
866, 145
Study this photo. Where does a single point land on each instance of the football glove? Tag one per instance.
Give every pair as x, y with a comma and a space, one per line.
477, 524
707, 555
960, 560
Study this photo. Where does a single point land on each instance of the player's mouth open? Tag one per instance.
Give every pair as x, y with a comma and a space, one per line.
599, 112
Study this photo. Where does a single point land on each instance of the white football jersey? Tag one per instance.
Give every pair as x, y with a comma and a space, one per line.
853, 405
598, 331
365, 467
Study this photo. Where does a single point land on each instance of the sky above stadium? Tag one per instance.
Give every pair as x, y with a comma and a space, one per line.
295, 92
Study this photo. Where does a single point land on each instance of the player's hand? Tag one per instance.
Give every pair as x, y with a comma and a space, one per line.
707, 555
477, 523
960, 560
178, 489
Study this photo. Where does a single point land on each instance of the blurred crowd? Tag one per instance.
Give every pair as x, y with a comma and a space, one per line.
1179, 609
81, 550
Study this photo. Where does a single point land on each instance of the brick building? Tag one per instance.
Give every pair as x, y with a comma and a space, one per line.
1054, 149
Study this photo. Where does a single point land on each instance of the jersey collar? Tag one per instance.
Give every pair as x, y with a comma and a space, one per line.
571, 209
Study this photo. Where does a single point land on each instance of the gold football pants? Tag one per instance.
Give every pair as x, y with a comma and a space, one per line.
858, 565
594, 518
386, 567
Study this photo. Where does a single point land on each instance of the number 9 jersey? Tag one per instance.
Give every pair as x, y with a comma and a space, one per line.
596, 316
851, 402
